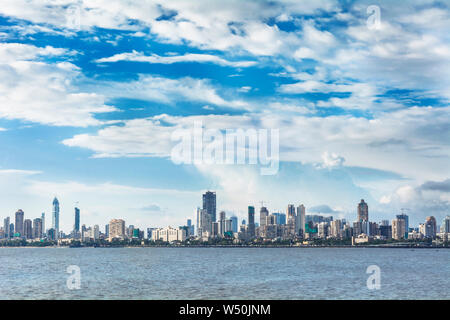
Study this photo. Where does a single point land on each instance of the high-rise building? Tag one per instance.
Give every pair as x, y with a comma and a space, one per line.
37, 228
116, 229
336, 229
204, 222
363, 211
43, 224
55, 217
19, 223
11, 230
398, 228
28, 229
446, 224
107, 230
209, 204
251, 222
291, 220
430, 227
6, 224
234, 224
263, 213
76, 226
404, 217
281, 217
301, 217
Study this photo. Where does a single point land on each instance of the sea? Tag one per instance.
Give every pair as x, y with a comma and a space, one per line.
224, 273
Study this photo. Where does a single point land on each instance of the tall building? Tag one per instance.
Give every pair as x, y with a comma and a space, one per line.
445, 224
336, 229
363, 211
204, 222
6, 224
251, 222
291, 220
37, 228
263, 213
43, 224
209, 204
430, 227
281, 217
234, 224
19, 222
27, 229
116, 229
404, 217
301, 217
398, 229
55, 217
76, 226
107, 230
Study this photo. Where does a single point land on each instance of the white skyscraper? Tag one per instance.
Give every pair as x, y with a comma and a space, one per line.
301, 211
55, 217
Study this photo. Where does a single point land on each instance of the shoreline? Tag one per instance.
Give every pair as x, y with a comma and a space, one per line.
232, 246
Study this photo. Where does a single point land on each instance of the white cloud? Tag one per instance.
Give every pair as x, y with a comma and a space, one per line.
188, 57
42, 92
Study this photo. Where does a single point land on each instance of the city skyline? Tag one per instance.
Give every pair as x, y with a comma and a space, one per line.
35, 228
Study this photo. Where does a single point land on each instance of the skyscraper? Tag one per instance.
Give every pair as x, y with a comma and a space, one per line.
6, 223
209, 204
234, 223
43, 224
28, 229
116, 229
398, 228
76, 226
445, 224
291, 220
251, 221
363, 211
404, 217
19, 222
263, 213
430, 227
37, 228
204, 223
55, 217
301, 214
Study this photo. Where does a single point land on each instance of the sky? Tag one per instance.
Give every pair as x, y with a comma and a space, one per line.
92, 91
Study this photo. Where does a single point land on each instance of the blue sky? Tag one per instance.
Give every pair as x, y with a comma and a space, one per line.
91, 91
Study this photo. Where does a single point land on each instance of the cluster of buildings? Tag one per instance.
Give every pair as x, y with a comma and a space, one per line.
292, 225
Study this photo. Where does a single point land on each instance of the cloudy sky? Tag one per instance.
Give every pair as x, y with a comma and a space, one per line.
91, 92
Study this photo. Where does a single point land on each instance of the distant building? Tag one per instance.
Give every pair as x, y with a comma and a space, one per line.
6, 224
209, 204
76, 226
37, 228
116, 229
430, 227
251, 222
55, 217
446, 225
336, 229
281, 217
398, 229
363, 211
234, 224
301, 220
28, 229
204, 222
19, 223
263, 213
406, 218
169, 234
43, 224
